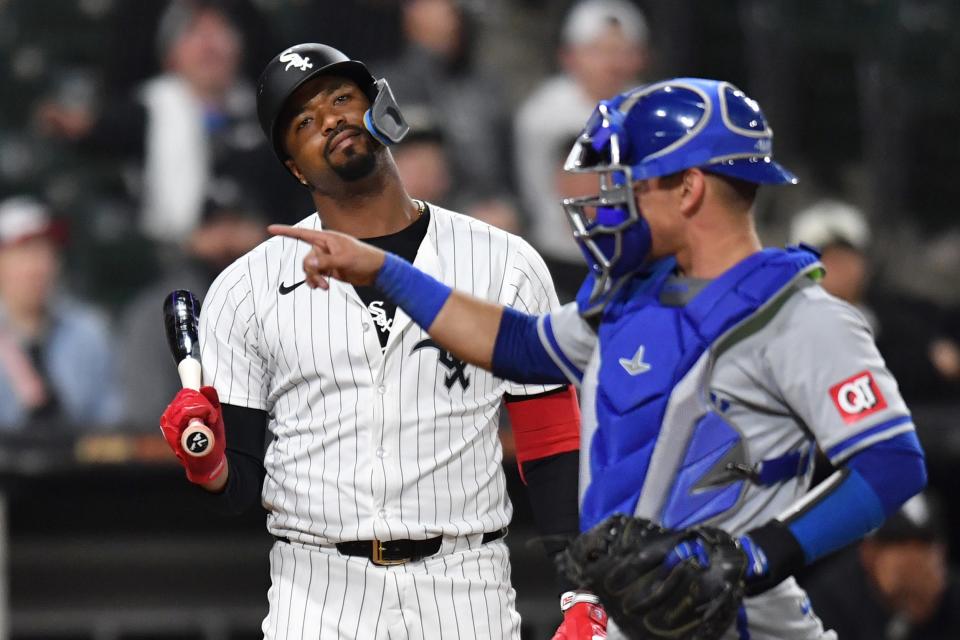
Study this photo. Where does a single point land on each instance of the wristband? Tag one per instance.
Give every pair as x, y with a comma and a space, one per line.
782, 555
570, 598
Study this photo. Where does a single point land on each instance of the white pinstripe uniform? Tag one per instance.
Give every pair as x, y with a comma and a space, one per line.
392, 443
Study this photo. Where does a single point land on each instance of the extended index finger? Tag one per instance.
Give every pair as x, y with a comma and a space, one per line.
311, 236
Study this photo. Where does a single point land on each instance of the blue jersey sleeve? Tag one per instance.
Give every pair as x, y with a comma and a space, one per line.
518, 353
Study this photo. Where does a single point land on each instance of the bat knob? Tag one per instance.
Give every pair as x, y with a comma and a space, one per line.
197, 439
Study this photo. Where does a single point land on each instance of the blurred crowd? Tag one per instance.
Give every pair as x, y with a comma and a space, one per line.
142, 149
895, 585
131, 164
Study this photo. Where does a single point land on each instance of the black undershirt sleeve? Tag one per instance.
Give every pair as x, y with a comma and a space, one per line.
245, 431
552, 488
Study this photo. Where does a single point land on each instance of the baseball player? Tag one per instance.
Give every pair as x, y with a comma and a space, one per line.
382, 476
710, 368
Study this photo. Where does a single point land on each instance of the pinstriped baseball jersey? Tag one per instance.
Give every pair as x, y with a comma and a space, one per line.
399, 442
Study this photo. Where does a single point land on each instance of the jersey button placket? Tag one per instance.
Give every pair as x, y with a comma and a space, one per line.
379, 489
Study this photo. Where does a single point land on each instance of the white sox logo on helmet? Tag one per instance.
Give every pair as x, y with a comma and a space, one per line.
294, 59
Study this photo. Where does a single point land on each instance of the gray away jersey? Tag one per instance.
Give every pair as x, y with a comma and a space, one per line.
810, 373
390, 443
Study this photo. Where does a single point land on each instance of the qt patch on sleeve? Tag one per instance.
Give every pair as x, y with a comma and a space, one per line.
857, 397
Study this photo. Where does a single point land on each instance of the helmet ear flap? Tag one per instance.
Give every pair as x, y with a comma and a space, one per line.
383, 119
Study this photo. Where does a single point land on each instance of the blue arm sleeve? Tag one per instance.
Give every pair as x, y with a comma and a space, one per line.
875, 482
519, 355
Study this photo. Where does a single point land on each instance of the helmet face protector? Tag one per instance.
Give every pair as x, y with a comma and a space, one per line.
292, 68
606, 223
653, 131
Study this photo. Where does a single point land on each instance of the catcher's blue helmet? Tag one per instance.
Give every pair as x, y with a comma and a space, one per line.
657, 130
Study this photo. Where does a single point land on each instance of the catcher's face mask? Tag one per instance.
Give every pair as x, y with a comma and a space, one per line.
652, 131
612, 235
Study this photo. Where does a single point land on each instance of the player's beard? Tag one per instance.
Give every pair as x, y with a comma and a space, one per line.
360, 162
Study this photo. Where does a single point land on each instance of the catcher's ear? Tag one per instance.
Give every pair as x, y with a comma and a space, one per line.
693, 187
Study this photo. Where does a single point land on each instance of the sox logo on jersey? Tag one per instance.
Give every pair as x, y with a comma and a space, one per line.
454, 366
372, 443
380, 316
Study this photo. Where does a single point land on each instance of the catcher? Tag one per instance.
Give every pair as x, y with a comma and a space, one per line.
711, 370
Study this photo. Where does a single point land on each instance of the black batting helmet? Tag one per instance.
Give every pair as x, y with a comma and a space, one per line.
288, 70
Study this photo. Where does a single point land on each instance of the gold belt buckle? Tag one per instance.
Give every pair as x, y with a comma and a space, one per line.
377, 557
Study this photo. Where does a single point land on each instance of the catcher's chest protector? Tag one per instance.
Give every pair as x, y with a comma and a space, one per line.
647, 350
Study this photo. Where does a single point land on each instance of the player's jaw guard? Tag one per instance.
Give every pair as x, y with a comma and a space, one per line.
654, 131
290, 69
383, 119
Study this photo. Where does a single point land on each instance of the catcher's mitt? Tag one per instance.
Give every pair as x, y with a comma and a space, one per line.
653, 585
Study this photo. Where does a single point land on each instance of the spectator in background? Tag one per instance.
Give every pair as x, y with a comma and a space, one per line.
896, 585
192, 129
435, 73
603, 52
56, 368
841, 233
913, 335
569, 276
226, 232
421, 160
365, 28
425, 172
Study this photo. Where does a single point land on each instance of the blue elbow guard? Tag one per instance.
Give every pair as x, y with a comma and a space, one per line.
894, 469
842, 516
875, 483
420, 296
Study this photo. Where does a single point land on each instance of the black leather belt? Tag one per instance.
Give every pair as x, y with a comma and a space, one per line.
387, 553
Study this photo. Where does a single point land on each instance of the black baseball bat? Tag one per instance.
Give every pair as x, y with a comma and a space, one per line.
181, 314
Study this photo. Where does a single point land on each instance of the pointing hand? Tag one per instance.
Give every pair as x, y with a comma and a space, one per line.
334, 255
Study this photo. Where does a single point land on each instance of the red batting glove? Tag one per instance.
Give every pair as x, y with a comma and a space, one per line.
186, 405
583, 617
